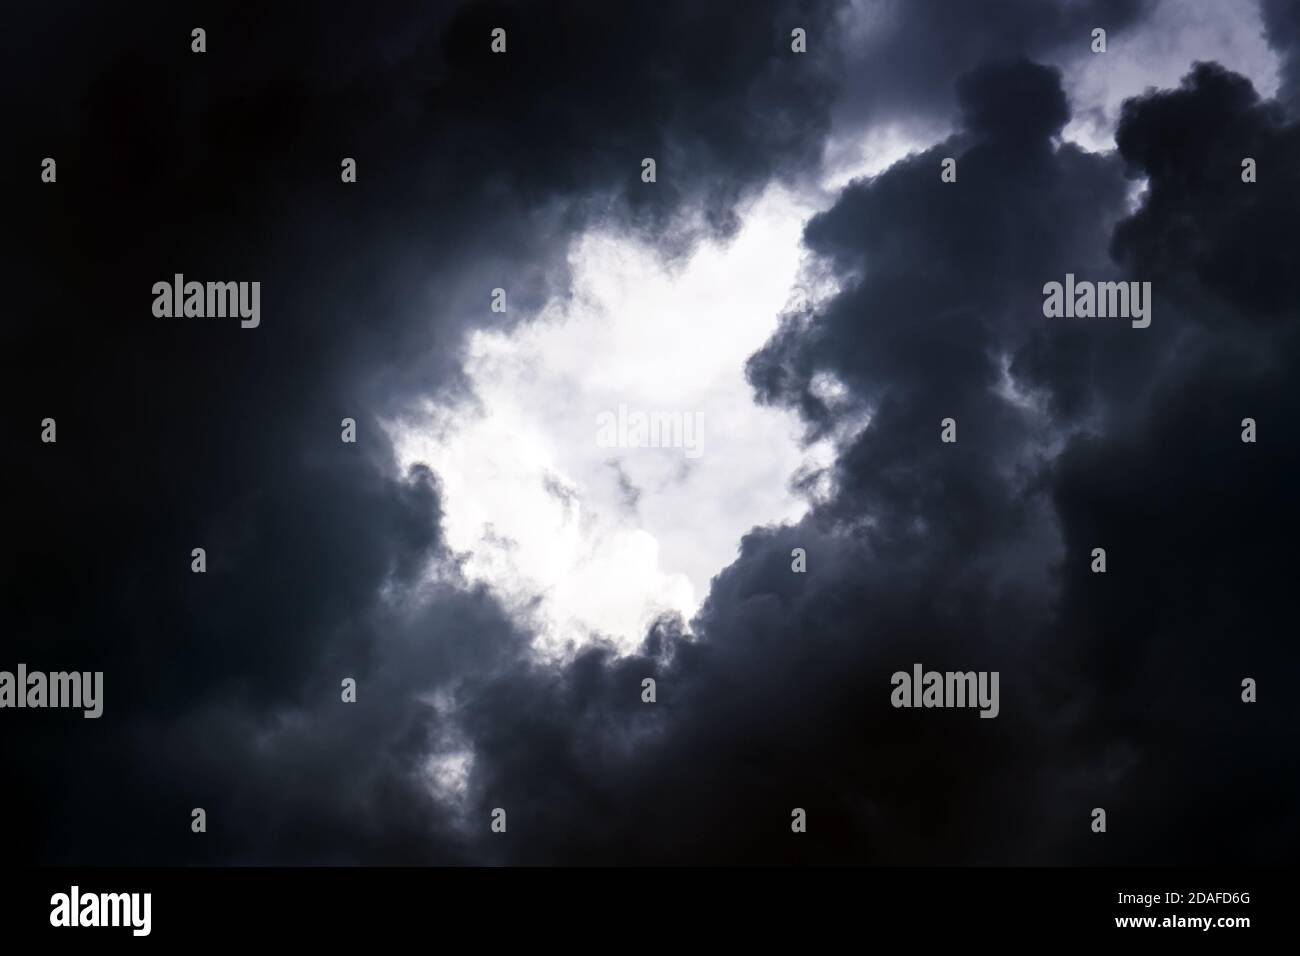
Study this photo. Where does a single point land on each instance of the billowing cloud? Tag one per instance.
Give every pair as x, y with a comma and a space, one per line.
328, 560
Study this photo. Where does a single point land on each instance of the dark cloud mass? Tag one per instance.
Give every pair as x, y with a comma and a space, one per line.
1117, 690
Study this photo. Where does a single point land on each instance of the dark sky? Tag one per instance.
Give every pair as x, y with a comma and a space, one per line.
1119, 691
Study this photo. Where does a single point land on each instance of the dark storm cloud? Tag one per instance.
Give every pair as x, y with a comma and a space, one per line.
1235, 243
970, 258
222, 690
474, 172
1206, 525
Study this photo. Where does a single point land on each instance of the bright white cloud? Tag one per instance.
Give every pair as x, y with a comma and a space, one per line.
582, 539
